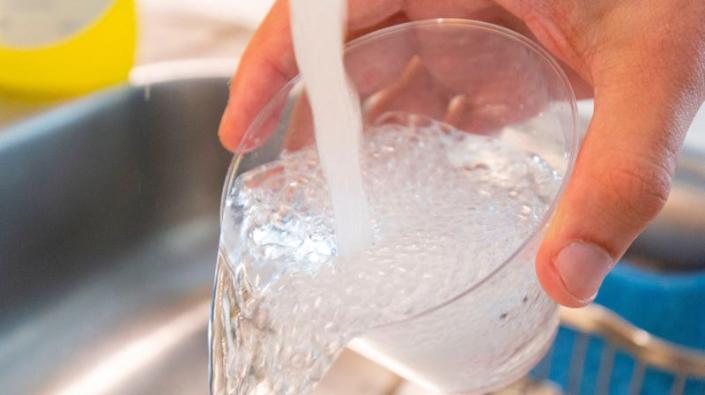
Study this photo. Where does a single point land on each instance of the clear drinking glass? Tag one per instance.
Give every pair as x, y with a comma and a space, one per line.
479, 78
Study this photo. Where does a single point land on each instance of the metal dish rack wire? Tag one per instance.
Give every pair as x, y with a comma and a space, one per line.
648, 352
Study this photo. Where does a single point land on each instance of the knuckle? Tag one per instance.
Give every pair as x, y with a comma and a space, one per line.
636, 188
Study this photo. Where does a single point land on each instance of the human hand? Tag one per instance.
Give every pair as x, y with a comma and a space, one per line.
645, 63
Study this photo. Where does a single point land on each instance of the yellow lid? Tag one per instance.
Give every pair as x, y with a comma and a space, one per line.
97, 53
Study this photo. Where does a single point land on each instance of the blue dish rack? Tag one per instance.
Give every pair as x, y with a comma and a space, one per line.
645, 335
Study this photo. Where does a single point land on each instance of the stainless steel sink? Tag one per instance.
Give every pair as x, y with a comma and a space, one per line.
108, 238
108, 235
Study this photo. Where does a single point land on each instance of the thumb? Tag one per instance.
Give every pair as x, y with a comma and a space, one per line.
621, 180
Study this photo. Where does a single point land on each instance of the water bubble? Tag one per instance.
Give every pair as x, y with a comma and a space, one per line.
447, 208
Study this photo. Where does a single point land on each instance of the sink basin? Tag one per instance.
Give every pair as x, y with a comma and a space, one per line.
108, 236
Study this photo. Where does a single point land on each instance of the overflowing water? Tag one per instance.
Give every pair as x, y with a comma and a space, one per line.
447, 208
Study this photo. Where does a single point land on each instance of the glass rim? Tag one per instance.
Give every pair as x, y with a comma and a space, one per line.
571, 142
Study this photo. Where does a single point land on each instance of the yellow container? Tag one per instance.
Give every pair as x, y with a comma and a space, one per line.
97, 51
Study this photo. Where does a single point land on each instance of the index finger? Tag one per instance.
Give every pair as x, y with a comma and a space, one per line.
268, 64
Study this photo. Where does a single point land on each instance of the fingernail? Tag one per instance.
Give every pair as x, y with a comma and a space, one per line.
582, 267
